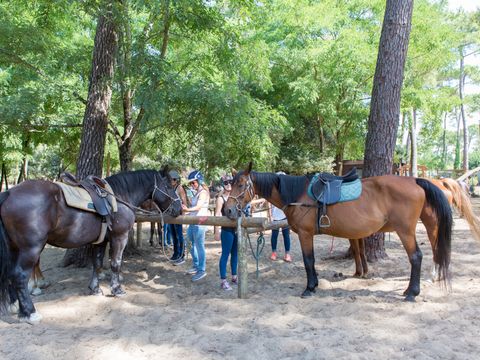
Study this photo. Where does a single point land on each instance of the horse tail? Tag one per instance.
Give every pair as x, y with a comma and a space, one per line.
462, 203
436, 200
5, 261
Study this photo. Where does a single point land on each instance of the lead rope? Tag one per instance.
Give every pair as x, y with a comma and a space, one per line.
256, 254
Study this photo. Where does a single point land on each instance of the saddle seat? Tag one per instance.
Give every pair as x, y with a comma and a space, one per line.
103, 201
328, 189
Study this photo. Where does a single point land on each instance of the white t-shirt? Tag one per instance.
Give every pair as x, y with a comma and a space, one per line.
277, 214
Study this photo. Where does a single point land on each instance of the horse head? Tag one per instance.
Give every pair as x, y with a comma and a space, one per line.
242, 193
164, 194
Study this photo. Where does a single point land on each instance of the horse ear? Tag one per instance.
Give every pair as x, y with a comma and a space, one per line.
249, 169
234, 172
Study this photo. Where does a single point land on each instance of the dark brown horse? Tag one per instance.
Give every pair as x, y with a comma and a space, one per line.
387, 203
34, 213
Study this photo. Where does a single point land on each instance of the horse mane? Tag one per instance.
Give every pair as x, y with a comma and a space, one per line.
124, 182
290, 187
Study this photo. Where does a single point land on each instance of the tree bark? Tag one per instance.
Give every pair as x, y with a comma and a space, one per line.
385, 106
444, 142
413, 153
95, 119
461, 87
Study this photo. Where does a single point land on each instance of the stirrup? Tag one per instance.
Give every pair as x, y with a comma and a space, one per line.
326, 224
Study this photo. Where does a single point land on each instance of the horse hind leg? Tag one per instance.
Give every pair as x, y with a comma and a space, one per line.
363, 257
358, 252
20, 277
97, 260
117, 244
415, 257
430, 222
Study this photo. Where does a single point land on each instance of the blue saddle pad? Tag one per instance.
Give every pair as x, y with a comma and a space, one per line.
337, 192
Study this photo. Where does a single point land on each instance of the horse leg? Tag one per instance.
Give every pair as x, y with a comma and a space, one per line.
363, 257
97, 260
117, 244
152, 232
306, 242
355, 246
20, 276
415, 257
429, 220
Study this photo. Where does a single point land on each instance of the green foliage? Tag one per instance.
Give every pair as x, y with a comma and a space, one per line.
285, 83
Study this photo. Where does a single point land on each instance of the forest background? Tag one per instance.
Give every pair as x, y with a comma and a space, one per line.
215, 84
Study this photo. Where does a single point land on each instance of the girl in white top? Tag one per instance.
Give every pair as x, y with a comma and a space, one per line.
196, 233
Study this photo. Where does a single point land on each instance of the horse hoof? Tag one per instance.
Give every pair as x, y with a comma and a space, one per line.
101, 276
33, 319
13, 308
118, 292
36, 291
307, 294
43, 284
409, 298
96, 292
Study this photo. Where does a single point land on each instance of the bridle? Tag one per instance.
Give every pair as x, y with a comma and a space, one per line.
248, 190
156, 188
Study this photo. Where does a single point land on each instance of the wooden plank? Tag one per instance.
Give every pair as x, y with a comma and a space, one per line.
251, 222
469, 173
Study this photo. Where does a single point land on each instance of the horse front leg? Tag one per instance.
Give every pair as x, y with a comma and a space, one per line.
97, 260
306, 243
117, 244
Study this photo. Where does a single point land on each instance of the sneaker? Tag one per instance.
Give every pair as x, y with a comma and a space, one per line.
225, 285
199, 275
287, 258
234, 280
191, 271
273, 257
179, 261
174, 258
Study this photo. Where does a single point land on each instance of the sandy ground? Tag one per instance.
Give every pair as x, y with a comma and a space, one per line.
166, 316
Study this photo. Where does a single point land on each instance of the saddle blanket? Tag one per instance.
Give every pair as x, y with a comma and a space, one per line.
349, 191
77, 197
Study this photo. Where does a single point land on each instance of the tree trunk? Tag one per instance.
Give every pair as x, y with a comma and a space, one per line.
385, 104
413, 153
4, 179
461, 87
444, 143
456, 161
95, 119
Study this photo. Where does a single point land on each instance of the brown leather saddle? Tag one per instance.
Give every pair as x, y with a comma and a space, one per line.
97, 189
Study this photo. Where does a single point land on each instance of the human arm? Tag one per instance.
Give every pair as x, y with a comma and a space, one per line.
218, 212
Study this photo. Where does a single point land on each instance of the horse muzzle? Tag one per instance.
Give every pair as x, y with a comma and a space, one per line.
232, 213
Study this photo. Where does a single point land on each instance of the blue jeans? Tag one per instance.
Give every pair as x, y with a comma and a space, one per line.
229, 248
196, 235
167, 239
286, 238
176, 232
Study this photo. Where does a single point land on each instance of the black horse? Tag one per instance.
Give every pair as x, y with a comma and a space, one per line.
35, 213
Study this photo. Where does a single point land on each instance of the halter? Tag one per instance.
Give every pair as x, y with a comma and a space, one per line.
251, 192
156, 188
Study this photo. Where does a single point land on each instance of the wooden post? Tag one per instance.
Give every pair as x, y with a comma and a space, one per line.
139, 235
242, 260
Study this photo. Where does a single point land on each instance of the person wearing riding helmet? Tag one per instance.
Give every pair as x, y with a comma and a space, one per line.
228, 237
196, 233
176, 230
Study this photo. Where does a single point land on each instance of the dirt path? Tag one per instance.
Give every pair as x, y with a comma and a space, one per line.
166, 316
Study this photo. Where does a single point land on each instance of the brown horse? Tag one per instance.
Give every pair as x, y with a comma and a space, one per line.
35, 213
387, 203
